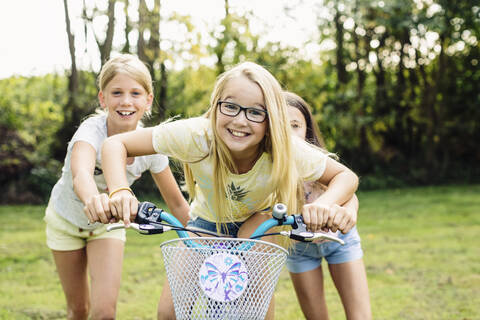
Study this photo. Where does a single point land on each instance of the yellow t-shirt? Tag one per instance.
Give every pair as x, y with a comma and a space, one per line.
189, 141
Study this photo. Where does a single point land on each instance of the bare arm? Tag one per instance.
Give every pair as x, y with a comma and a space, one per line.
343, 218
341, 181
115, 151
82, 163
342, 184
172, 195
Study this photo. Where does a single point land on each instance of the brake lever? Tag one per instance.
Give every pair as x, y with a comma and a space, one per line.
121, 225
153, 229
324, 236
140, 228
300, 233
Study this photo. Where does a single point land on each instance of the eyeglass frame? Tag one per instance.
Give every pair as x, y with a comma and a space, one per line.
242, 108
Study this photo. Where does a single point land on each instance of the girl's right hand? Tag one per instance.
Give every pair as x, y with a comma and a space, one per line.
97, 209
124, 206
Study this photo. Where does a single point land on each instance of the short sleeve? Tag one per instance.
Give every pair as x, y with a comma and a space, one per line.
186, 140
311, 161
93, 131
158, 162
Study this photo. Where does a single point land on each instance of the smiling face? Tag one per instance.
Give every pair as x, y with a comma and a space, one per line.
242, 136
297, 122
126, 101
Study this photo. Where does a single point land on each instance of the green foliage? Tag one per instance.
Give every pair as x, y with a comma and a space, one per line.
30, 116
406, 112
74, 110
189, 92
396, 97
419, 253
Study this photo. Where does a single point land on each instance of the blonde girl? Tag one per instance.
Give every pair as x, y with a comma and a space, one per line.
239, 159
78, 206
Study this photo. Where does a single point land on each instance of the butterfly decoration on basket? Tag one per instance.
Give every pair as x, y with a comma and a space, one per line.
223, 277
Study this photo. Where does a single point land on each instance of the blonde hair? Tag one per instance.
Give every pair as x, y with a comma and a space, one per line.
129, 65
277, 142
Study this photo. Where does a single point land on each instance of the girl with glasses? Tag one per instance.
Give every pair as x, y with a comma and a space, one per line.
345, 262
239, 159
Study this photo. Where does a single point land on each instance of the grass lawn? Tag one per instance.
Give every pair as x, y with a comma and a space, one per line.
421, 246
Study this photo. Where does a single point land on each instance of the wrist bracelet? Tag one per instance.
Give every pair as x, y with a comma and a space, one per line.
121, 189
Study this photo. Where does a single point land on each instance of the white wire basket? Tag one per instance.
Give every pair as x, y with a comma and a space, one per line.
222, 278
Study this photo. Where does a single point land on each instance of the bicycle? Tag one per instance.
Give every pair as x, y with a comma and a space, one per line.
221, 277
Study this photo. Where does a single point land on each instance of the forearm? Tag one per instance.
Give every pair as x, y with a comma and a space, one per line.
115, 150
180, 211
114, 161
352, 205
84, 186
340, 189
172, 195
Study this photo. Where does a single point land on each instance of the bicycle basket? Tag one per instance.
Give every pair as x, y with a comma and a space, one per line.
222, 278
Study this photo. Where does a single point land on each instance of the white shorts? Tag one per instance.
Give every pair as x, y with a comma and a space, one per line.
65, 236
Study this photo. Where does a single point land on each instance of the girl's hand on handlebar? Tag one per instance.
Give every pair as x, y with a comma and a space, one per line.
340, 218
124, 206
315, 215
97, 209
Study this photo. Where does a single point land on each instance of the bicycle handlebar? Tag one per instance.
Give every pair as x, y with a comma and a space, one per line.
149, 220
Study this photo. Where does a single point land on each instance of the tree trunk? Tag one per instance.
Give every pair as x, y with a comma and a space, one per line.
128, 28
363, 142
399, 96
73, 78
142, 18
106, 48
341, 71
162, 92
222, 43
162, 79
70, 115
380, 82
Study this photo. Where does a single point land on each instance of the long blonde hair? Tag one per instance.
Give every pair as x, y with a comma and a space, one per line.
277, 142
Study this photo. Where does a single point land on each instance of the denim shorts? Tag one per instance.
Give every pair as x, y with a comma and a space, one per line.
228, 229
304, 256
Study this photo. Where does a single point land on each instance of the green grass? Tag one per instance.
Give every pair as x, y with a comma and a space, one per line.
421, 249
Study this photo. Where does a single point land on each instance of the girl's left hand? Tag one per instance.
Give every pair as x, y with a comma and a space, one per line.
318, 216
315, 215
124, 205
341, 218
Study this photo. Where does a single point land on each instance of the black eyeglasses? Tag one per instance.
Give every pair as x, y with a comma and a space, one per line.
232, 110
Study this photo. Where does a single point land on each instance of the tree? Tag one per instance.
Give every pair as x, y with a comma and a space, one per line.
149, 51
71, 115
105, 45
